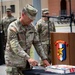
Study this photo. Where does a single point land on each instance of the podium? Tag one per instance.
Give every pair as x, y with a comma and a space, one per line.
63, 44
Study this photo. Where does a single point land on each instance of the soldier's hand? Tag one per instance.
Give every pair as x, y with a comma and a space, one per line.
32, 62
46, 63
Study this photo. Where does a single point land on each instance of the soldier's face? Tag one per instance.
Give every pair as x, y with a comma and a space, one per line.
46, 14
8, 13
26, 19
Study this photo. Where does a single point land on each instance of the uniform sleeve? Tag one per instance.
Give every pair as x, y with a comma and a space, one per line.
15, 46
38, 27
3, 23
39, 30
39, 47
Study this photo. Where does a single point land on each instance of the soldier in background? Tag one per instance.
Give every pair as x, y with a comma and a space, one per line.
43, 31
6, 21
21, 35
73, 17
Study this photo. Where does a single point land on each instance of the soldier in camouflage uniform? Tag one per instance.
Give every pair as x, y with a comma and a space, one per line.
6, 21
21, 35
43, 30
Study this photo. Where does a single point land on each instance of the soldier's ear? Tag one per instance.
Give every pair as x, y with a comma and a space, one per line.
23, 13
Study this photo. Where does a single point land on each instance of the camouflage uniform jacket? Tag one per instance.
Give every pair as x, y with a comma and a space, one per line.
42, 28
5, 22
19, 42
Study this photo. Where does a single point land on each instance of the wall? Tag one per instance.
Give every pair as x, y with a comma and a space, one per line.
54, 7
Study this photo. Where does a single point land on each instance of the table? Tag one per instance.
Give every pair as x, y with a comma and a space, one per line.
41, 72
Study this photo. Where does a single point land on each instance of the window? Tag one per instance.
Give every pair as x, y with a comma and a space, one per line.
63, 7
12, 8
3, 9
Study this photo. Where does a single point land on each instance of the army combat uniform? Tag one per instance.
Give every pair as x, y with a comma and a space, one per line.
19, 41
4, 25
42, 28
5, 22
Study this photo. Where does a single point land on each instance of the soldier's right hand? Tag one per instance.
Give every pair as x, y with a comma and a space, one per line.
32, 62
